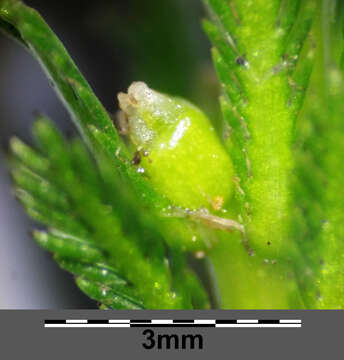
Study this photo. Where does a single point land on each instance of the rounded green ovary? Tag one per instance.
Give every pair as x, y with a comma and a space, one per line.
186, 160
188, 163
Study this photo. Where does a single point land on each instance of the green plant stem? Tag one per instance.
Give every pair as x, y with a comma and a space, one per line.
247, 282
258, 45
269, 125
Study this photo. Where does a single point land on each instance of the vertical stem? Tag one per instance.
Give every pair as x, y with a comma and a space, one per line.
259, 42
247, 282
269, 123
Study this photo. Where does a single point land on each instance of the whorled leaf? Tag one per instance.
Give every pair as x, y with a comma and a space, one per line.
319, 185
96, 202
90, 117
91, 232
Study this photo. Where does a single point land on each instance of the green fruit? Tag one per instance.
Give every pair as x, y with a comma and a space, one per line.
181, 152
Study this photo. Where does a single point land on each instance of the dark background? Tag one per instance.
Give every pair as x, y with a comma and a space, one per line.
113, 43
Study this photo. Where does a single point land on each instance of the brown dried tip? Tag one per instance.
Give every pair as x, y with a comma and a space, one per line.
136, 158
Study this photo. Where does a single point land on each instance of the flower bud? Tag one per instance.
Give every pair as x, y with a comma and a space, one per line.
181, 153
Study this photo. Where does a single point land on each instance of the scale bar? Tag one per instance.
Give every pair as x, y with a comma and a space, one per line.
196, 323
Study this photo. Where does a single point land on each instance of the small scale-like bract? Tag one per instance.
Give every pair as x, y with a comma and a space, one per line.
187, 161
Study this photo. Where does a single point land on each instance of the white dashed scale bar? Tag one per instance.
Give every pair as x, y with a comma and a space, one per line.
197, 323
